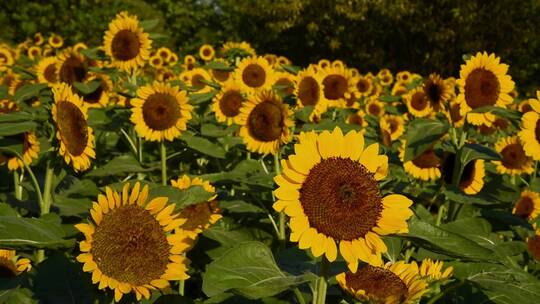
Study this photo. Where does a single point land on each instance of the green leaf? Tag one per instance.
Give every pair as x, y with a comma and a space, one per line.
443, 241
203, 145
248, 171
304, 113
458, 196
119, 165
149, 25
506, 113
94, 54
11, 145
422, 133
70, 206
20, 116
212, 130
238, 206
389, 98
182, 198
88, 87
293, 69
219, 65
470, 152
28, 91
199, 98
12, 128
31, 232
16, 295
394, 245
249, 270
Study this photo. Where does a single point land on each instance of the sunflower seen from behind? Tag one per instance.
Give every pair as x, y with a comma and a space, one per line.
11, 265
228, 102
266, 122
76, 138
330, 190
160, 112
483, 82
126, 43
118, 262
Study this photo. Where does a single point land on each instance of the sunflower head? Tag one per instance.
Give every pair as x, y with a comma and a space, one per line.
374, 107
528, 205
533, 245
126, 42
221, 75
46, 70
198, 78
418, 103
11, 265
394, 125
284, 83
338, 85
254, 73
56, 41
514, 159
207, 52
436, 92
425, 166
228, 102
358, 118
71, 67
399, 89
30, 151
244, 48
404, 76
164, 53
309, 91
76, 137
34, 52
133, 245
324, 64
100, 97
265, 122
483, 82
433, 270
38, 39
329, 189
530, 131
389, 284
160, 112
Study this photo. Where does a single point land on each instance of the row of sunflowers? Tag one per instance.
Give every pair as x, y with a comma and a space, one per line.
133, 173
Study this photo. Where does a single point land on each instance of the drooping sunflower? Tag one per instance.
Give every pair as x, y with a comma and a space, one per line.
324, 64
528, 205
126, 42
265, 122
514, 160
76, 137
115, 260
254, 73
31, 148
433, 270
207, 52
228, 102
338, 85
530, 129
199, 216
284, 83
418, 103
394, 125
71, 67
309, 91
56, 41
197, 80
46, 70
11, 265
397, 283
160, 112
436, 91
329, 188
483, 82
374, 107
425, 166
363, 85
472, 177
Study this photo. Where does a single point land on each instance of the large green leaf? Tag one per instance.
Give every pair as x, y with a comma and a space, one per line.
470, 152
88, 87
12, 128
31, 232
118, 166
247, 171
212, 130
422, 133
182, 198
249, 269
16, 117
29, 91
203, 145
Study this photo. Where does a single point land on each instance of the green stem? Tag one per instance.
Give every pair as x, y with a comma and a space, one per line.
440, 215
163, 163
319, 296
535, 169
47, 195
140, 175
299, 296
17, 180
444, 292
282, 233
181, 287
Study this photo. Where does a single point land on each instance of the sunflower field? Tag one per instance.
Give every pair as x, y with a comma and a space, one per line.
130, 173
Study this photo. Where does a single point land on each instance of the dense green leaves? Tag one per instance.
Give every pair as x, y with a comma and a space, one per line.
422, 134
31, 232
118, 166
203, 145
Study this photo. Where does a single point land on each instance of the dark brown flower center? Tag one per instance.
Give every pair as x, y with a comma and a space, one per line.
513, 156
455, 115
341, 198
308, 91
428, 159
468, 174
362, 85
198, 215
206, 52
524, 207
7, 268
355, 119
419, 101
72, 126
378, 283
130, 246
386, 138
95, 96
50, 73
526, 108
374, 109
335, 86
481, 88
393, 125
254, 75
197, 82
533, 244
285, 86
161, 111
266, 121
221, 75
537, 131
73, 69
125, 45
230, 103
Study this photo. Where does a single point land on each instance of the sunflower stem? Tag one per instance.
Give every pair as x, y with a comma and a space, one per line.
140, 175
17, 180
181, 287
163, 163
281, 236
535, 169
299, 296
47, 196
320, 294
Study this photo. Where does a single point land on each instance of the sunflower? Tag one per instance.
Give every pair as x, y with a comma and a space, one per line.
228, 102
358, 118
284, 83
399, 89
425, 166
384, 72
38, 39
472, 177
76, 137
265, 122
156, 61
271, 58
393, 283
116, 260
6, 58
198, 78
436, 92
164, 53
100, 97
354, 72
514, 160
189, 62
404, 76
309, 91
528, 205
199, 216
433, 270
56, 41
418, 103
533, 245
530, 130
386, 79
374, 107
483, 82
329, 188
79, 47
11, 265
324, 64
454, 115
173, 59
160, 112
254, 73
126, 42
338, 64
394, 125
282, 60
243, 46
33, 52
221, 75
30, 151
46, 70
363, 85
71, 67
338, 85
207, 52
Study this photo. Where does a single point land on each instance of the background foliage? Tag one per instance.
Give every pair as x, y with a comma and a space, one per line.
416, 35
